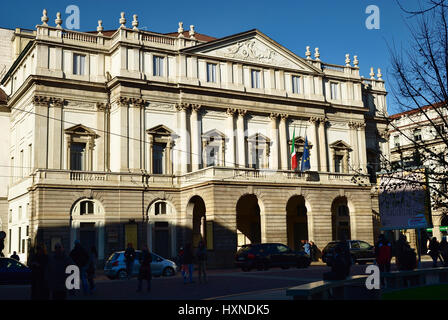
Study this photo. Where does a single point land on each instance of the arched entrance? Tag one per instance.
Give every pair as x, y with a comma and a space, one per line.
196, 210
296, 221
248, 223
161, 228
87, 225
340, 219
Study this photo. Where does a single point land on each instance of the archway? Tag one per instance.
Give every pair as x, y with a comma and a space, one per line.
161, 228
340, 219
248, 223
296, 221
87, 226
196, 210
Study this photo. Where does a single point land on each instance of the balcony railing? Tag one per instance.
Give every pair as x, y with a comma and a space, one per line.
142, 179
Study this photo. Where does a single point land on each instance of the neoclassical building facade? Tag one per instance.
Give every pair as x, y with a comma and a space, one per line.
163, 139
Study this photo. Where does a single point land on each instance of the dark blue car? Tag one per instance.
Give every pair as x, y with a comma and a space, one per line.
14, 272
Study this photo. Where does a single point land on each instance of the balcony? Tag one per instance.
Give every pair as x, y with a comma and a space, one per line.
66, 178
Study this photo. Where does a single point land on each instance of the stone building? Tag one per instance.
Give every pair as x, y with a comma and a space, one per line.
411, 128
136, 136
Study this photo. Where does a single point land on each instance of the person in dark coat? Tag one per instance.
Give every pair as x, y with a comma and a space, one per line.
188, 260
338, 265
129, 257
181, 263
145, 269
444, 251
434, 251
405, 256
39, 273
383, 253
15, 256
81, 258
93, 258
314, 252
201, 257
58, 263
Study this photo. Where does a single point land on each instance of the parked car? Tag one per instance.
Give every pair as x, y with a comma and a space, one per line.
14, 272
360, 251
116, 266
266, 255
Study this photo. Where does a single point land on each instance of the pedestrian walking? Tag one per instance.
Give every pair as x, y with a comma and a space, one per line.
306, 247
58, 263
201, 257
188, 261
444, 251
39, 273
383, 253
145, 269
181, 263
314, 251
81, 258
129, 257
405, 256
434, 252
15, 256
91, 270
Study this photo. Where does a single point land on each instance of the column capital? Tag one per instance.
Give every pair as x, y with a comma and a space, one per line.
322, 120
242, 112
41, 101
182, 106
101, 106
123, 101
273, 116
137, 103
231, 111
195, 107
284, 116
314, 120
385, 134
56, 102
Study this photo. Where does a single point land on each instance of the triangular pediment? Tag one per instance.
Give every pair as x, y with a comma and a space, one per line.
258, 137
255, 47
340, 145
160, 130
213, 133
80, 129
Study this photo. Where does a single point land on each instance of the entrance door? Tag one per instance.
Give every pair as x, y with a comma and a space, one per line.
300, 233
162, 239
87, 235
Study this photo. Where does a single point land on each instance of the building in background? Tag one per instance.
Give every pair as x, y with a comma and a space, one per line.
135, 136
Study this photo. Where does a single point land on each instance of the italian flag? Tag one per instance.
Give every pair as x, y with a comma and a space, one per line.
293, 152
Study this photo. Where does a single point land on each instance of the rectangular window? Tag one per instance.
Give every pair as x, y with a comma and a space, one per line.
158, 66
21, 164
295, 84
20, 213
30, 158
10, 215
77, 155
255, 78
158, 158
79, 64
334, 90
27, 231
257, 158
338, 164
211, 72
212, 156
396, 141
10, 240
20, 238
23, 245
417, 135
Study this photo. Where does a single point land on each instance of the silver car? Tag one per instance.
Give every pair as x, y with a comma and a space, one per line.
116, 266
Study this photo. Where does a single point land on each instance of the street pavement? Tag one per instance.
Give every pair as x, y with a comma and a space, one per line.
223, 284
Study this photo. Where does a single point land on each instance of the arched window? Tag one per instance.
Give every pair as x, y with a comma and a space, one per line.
86, 207
160, 208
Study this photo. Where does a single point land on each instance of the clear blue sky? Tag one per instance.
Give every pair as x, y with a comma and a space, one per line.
336, 27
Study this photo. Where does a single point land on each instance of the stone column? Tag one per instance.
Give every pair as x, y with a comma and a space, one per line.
230, 132
362, 147
169, 162
273, 163
135, 134
283, 142
149, 160
354, 143
40, 147
195, 138
101, 158
323, 146
314, 152
183, 146
55, 134
241, 149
